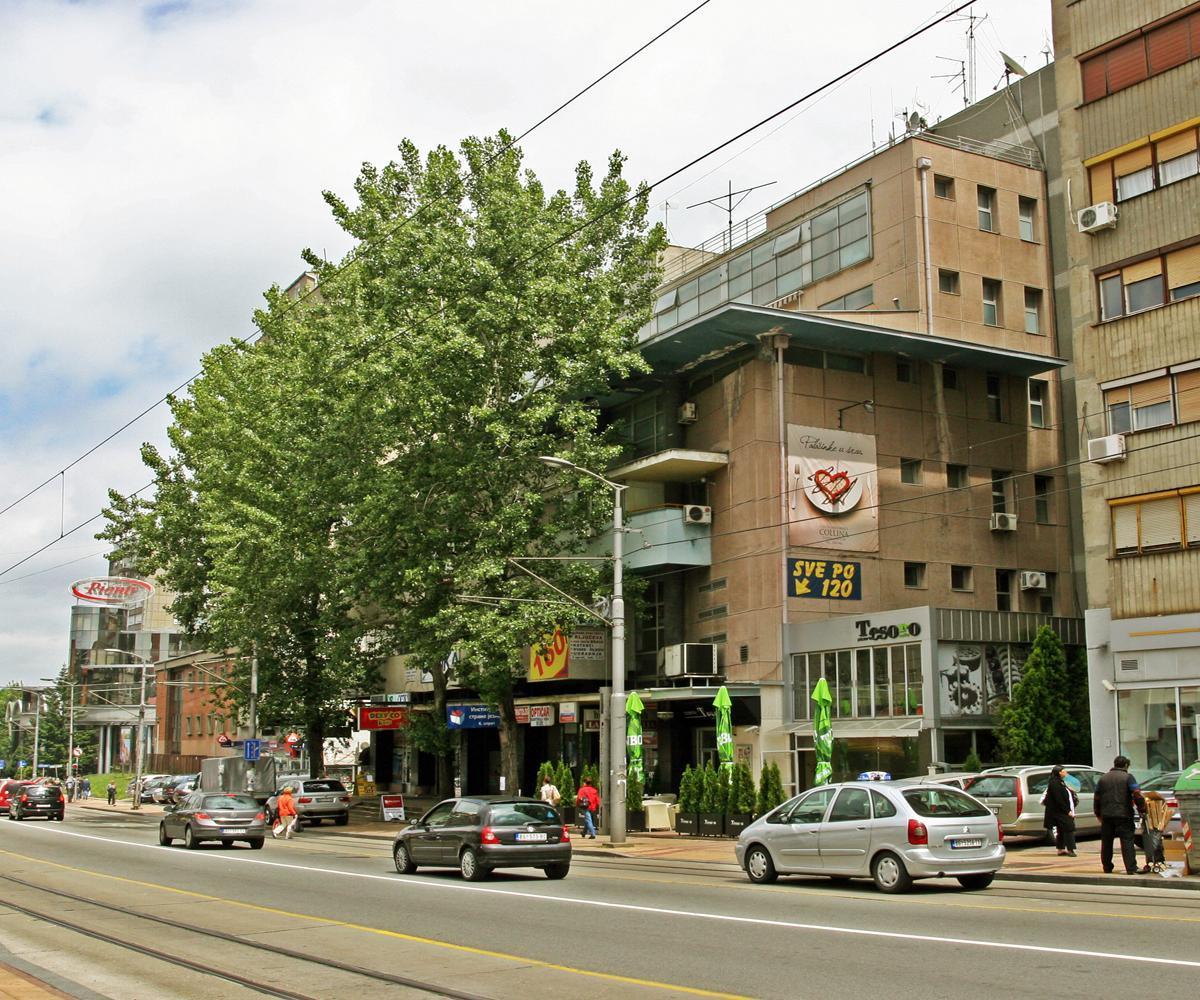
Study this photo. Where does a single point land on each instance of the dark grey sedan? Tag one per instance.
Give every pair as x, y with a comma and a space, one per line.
478, 834
216, 816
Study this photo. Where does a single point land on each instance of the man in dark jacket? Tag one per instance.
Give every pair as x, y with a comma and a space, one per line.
1117, 798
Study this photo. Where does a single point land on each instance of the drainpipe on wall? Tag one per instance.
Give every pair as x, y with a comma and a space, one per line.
924, 163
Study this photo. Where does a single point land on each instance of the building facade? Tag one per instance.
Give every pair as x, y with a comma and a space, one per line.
1127, 76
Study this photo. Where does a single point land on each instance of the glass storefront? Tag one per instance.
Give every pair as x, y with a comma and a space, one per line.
865, 683
1158, 728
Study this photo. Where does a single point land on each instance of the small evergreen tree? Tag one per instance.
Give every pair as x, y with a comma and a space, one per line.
633, 793
687, 792
770, 789
710, 790
1077, 741
1033, 725
565, 783
744, 798
972, 763
547, 770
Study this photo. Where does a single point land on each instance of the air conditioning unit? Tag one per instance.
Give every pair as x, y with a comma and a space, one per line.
687, 413
688, 659
1096, 217
696, 513
1107, 449
1032, 579
1003, 522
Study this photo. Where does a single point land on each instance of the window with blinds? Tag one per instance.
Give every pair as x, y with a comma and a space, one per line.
1159, 522
1157, 400
1154, 50
1165, 158
1147, 284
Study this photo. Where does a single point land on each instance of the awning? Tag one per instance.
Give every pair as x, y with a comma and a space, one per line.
848, 729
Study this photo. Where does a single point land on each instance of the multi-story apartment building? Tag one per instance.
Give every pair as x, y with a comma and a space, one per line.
1127, 78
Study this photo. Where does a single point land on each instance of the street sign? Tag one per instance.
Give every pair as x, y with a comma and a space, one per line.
77, 751
22, 763
252, 749
392, 807
3, 763
223, 740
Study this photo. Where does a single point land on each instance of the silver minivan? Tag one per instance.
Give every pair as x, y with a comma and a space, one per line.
1014, 794
887, 832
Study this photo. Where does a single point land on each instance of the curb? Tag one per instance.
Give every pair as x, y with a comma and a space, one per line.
1107, 881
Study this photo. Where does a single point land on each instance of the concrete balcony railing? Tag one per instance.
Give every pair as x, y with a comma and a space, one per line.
661, 538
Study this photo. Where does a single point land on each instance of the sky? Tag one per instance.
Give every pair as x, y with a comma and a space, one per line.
163, 165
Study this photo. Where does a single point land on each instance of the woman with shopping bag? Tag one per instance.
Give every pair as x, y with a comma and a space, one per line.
288, 818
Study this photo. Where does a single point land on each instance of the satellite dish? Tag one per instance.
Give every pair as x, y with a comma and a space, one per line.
914, 121
1012, 66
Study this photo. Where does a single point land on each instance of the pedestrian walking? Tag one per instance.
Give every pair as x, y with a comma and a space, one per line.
86, 786
588, 800
549, 792
1059, 800
112, 792
70, 788
1117, 800
287, 815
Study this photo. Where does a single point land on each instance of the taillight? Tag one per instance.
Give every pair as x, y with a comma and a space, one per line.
1020, 798
1172, 803
999, 830
917, 834
488, 836
566, 834
204, 816
304, 799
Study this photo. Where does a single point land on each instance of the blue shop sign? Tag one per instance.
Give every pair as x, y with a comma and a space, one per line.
472, 717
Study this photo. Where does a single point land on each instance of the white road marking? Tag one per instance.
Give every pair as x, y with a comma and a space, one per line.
661, 911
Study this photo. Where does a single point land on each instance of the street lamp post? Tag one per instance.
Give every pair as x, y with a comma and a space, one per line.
71, 686
145, 665
616, 724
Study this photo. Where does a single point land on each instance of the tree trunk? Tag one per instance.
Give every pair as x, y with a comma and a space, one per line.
314, 737
509, 734
442, 774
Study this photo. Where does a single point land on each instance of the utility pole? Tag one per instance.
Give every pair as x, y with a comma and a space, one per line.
37, 722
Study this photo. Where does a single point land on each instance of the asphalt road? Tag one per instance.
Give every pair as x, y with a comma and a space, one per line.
612, 928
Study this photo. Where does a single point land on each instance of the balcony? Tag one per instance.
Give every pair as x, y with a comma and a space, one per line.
675, 465
660, 538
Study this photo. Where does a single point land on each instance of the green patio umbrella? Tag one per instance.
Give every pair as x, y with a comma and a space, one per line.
633, 734
823, 731
724, 707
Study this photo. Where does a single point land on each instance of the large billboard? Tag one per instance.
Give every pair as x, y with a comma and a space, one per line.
833, 490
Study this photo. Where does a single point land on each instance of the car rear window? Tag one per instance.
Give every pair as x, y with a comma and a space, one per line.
324, 785
996, 786
520, 813
943, 802
229, 802
43, 792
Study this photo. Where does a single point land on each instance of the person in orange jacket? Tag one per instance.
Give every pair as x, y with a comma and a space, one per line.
287, 814
588, 800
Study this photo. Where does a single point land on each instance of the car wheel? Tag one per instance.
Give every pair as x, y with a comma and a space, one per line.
404, 861
976, 881
759, 865
889, 873
162, 835
470, 866
343, 820
256, 844
189, 838
557, 871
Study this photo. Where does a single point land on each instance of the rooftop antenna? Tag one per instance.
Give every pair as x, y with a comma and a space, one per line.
960, 76
972, 23
1047, 49
729, 204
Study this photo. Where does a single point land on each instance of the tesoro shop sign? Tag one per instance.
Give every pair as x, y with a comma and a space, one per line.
869, 633
112, 590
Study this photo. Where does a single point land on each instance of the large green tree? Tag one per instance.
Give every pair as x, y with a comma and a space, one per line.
1036, 722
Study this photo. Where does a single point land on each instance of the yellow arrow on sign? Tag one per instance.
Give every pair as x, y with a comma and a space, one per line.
802, 588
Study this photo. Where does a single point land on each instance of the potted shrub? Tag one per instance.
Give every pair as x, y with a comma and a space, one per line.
635, 814
770, 789
565, 782
686, 820
712, 803
741, 800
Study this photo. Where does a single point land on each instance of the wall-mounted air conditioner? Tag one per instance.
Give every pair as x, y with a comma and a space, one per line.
1003, 522
1096, 217
697, 513
1110, 448
1032, 579
688, 659
687, 413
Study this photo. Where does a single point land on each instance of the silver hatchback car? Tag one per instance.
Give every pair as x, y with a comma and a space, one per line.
1014, 794
887, 832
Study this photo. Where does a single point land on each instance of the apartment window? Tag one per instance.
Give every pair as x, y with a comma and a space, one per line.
1041, 499
1037, 403
1146, 284
987, 209
188, 721
1033, 310
810, 358
956, 477
914, 575
949, 378
1157, 522
1026, 211
947, 281
859, 299
905, 371
1045, 600
1004, 589
1150, 53
943, 187
991, 302
960, 578
1150, 402
1000, 491
995, 409
644, 423
910, 470
1152, 165
651, 619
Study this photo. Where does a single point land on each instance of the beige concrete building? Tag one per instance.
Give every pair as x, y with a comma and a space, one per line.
860, 407
1128, 76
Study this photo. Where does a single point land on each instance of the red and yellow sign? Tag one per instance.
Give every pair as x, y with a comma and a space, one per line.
382, 716
550, 659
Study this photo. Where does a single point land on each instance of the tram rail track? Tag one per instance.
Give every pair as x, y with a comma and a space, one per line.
228, 975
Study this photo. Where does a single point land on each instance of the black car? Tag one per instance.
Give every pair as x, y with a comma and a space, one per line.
37, 800
478, 834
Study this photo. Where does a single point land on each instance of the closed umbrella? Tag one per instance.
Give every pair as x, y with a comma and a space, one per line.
724, 706
822, 731
633, 734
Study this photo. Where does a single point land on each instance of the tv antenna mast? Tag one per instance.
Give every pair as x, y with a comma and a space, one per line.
726, 202
969, 78
960, 76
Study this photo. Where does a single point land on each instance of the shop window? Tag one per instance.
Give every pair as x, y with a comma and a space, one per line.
956, 477
943, 187
1027, 213
986, 200
1033, 310
1038, 396
1148, 723
910, 471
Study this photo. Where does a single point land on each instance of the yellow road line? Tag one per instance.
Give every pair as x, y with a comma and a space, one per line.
398, 935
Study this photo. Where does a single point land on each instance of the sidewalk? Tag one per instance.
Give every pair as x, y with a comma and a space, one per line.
1025, 861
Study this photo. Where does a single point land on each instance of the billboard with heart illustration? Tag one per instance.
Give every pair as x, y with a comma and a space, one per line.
833, 490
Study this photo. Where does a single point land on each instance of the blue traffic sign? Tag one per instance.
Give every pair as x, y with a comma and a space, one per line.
3, 763
252, 749
21, 763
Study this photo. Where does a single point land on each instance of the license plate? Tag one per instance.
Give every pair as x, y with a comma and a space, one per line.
523, 837
995, 810
965, 843
234, 833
